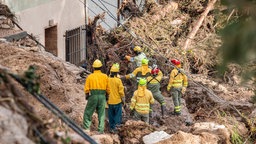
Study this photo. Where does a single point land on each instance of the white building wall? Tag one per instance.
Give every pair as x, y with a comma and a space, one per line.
66, 14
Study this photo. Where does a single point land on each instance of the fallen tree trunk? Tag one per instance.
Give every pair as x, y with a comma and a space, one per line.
198, 24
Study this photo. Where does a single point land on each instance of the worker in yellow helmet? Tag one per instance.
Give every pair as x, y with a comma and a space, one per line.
96, 86
177, 84
139, 56
141, 72
140, 102
116, 98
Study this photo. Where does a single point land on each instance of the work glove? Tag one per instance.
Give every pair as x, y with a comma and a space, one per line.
183, 90
128, 57
169, 87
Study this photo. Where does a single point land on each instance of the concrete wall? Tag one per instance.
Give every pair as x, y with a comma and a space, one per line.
34, 16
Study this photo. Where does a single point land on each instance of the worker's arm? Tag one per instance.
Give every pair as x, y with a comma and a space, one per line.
159, 76
133, 74
121, 88
152, 100
133, 101
170, 80
185, 80
87, 85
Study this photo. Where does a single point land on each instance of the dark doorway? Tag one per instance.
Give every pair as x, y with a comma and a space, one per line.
51, 40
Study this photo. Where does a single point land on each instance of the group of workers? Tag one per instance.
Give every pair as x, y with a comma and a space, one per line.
101, 89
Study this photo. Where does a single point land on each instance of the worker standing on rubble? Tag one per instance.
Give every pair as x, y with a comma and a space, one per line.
141, 72
116, 98
139, 56
140, 102
96, 87
154, 86
177, 84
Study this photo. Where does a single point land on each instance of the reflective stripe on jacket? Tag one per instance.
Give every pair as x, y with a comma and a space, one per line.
116, 90
96, 81
142, 103
177, 79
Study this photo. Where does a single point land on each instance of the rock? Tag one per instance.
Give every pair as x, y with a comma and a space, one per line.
13, 128
182, 138
207, 125
155, 137
103, 139
176, 22
208, 129
33, 49
5, 26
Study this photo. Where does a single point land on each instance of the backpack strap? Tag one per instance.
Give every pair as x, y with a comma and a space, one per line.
178, 73
154, 77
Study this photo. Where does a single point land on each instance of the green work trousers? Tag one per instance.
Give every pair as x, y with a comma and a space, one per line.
155, 89
97, 102
176, 97
142, 117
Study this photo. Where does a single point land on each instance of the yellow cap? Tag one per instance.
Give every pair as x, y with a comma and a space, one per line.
115, 68
97, 63
137, 48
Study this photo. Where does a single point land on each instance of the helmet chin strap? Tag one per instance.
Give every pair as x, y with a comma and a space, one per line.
137, 53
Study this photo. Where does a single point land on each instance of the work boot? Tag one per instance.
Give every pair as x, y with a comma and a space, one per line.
173, 113
163, 109
178, 113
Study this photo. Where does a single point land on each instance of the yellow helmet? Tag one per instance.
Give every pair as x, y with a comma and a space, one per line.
144, 61
97, 63
137, 49
142, 81
115, 68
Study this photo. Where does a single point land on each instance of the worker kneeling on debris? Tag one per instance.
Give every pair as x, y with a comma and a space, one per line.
116, 98
140, 102
96, 86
